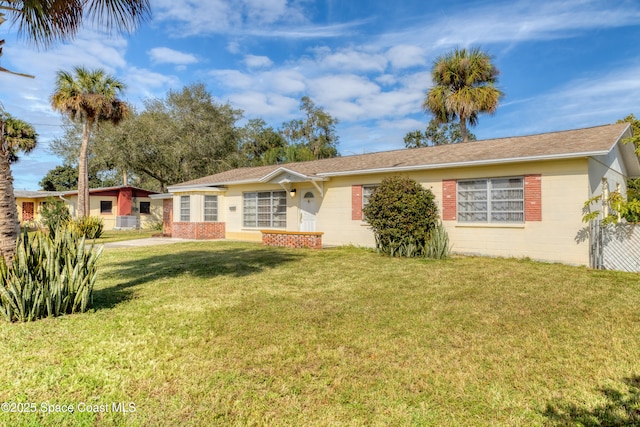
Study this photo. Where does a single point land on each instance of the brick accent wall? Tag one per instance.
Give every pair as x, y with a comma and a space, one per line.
167, 217
449, 200
292, 239
533, 198
356, 202
198, 230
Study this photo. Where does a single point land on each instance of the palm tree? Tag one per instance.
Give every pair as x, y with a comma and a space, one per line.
44, 22
464, 86
88, 97
15, 136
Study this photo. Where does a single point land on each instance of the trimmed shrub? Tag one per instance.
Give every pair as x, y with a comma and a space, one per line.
403, 215
48, 277
55, 215
89, 226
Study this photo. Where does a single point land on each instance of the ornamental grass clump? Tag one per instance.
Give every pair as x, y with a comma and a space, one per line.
90, 227
48, 277
404, 218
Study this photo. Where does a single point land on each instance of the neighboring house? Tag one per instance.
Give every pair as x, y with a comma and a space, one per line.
510, 197
119, 207
30, 203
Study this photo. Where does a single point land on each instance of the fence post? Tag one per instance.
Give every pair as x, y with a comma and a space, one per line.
595, 244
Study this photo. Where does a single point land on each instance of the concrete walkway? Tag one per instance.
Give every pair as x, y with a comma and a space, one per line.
152, 241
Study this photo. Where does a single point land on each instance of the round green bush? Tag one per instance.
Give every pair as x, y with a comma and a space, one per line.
402, 215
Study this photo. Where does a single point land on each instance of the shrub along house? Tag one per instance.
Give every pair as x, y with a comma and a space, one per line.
119, 207
520, 196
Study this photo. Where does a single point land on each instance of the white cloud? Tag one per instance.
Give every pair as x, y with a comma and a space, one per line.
165, 55
285, 81
405, 56
264, 18
143, 83
513, 22
341, 87
190, 18
254, 61
265, 105
352, 60
233, 79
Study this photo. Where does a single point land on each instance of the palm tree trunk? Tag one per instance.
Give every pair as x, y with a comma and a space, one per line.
9, 224
83, 172
463, 129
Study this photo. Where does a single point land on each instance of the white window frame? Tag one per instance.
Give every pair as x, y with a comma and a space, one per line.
367, 191
489, 196
210, 208
185, 208
264, 209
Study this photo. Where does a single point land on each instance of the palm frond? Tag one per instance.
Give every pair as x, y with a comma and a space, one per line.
44, 22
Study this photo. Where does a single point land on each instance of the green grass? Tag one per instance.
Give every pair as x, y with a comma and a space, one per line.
110, 236
224, 333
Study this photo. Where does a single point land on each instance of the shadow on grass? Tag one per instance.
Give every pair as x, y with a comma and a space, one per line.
621, 409
234, 262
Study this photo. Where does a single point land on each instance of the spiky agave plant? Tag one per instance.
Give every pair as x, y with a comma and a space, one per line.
48, 278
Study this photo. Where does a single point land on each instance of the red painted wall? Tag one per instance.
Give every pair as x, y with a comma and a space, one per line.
124, 201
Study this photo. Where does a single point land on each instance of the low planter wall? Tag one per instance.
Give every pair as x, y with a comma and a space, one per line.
292, 239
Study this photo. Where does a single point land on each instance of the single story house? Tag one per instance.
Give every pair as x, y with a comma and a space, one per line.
507, 197
119, 207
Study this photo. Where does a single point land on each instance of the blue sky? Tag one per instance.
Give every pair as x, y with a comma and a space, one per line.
563, 64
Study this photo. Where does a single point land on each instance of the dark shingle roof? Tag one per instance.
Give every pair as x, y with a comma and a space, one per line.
564, 144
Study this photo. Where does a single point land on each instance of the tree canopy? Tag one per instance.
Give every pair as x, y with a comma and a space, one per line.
316, 131
88, 97
436, 134
184, 136
65, 177
44, 23
16, 136
187, 135
464, 86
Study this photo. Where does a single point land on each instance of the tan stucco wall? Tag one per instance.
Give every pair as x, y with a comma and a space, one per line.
564, 190
37, 203
109, 220
565, 187
152, 219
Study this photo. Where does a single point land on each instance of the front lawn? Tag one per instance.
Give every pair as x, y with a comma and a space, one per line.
224, 333
110, 236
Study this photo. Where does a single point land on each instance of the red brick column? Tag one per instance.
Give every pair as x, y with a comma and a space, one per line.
356, 202
449, 200
533, 198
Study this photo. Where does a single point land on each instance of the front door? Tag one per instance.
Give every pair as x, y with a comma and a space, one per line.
27, 211
308, 211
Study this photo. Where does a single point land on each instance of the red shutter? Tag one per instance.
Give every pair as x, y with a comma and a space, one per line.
356, 202
533, 198
449, 200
